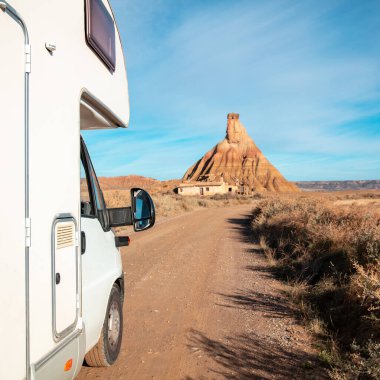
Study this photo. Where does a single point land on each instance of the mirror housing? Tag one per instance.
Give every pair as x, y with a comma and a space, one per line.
143, 211
141, 215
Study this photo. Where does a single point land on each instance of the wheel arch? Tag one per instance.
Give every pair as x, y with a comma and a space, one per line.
120, 283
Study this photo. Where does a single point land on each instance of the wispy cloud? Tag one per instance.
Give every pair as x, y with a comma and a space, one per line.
304, 76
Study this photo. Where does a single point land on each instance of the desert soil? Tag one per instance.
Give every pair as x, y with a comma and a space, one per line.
201, 303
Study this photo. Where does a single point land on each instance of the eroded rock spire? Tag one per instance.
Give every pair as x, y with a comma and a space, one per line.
238, 161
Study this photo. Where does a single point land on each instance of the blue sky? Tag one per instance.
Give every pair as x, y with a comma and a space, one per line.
304, 76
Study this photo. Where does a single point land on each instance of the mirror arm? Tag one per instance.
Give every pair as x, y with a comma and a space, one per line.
120, 216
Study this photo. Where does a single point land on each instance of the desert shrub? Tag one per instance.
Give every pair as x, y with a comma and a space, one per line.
335, 252
258, 195
220, 197
202, 203
117, 198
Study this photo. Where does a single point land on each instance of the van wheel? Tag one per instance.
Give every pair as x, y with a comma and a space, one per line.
107, 349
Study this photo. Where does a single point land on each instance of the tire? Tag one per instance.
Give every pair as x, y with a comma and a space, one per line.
106, 351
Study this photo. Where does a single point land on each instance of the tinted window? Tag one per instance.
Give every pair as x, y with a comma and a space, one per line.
100, 32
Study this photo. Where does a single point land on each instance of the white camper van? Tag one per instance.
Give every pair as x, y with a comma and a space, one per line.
62, 70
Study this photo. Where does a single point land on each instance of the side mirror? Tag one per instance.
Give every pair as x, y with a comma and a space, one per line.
143, 212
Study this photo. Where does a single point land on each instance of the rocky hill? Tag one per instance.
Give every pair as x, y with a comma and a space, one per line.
236, 160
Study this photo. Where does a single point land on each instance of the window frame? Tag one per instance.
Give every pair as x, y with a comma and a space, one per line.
92, 181
87, 179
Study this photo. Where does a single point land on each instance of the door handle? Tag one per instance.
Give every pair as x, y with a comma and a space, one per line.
82, 242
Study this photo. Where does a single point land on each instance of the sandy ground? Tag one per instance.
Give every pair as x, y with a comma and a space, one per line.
201, 303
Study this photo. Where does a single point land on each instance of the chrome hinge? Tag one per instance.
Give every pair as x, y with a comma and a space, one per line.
28, 232
28, 59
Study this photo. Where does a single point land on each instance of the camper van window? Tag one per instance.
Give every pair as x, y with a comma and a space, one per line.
100, 32
87, 208
101, 211
96, 194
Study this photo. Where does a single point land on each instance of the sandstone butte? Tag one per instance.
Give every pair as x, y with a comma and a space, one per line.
237, 160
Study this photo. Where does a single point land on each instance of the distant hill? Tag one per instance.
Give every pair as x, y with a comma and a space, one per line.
127, 182
155, 186
338, 185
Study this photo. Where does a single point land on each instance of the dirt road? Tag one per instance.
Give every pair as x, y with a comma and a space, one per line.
201, 303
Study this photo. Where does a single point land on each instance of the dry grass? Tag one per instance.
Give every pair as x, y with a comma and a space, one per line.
170, 204
330, 252
167, 204
117, 198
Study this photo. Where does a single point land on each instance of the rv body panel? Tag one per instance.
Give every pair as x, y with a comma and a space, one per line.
58, 81
50, 367
12, 232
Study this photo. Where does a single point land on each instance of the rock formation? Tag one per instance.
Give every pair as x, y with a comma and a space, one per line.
236, 160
